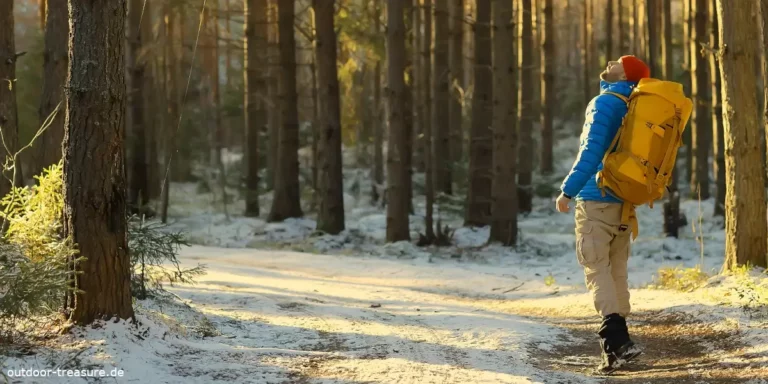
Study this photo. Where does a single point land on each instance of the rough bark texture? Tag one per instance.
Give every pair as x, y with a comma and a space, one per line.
478, 211
286, 202
426, 105
255, 54
701, 128
745, 223
330, 217
47, 149
139, 181
455, 112
504, 198
8, 111
397, 195
525, 159
94, 180
273, 92
764, 61
441, 145
718, 153
548, 95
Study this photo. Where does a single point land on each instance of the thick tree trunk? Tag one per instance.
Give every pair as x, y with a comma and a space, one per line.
504, 206
408, 102
273, 97
701, 129
286, 201
417, 88
745, 201
548, 95
478, 211
525, 159
139, 179
718, 147
441, 145
455, 109
254, 60
94, 179
173, 100
330, 217
8, 111
397, 194
47, 148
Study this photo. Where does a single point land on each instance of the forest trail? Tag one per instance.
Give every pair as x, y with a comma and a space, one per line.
350, 320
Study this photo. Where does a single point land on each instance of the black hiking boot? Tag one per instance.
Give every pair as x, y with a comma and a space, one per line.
617, 347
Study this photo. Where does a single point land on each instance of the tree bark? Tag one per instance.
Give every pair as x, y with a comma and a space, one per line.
548, 95
397, 194
378, 135
286, 201
330, 217
47, 149
455, 109
718, 153
254, 62
654, 40
94, 179
701, 128
8, 109
687, 56
273, 97
504, 198
417, 88
609, 30
426, 105
478, 211
588, 37
441, 144
139, 179
672, 206
622, 29
745, 201
525, 159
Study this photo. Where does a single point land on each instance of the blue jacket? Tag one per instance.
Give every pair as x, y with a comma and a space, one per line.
602, 120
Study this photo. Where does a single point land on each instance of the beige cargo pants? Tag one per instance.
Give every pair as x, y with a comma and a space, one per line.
603, 251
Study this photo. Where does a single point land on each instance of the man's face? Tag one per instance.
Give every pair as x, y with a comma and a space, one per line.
613, 72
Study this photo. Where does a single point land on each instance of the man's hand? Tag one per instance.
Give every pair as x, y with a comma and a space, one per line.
562, 204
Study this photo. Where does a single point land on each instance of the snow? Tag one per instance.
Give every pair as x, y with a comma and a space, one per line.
281, 303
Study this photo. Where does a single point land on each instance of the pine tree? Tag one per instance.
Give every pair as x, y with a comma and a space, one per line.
717, 111
478, 211
586, 54
504, 206
426, 106
286, 201
330, 217
525, 155
139, 181
397, 194
701, 127
441, 145
548, 95
378, 134
672, 207
254, 60
456, 85
745, 224
94, 180
47, 148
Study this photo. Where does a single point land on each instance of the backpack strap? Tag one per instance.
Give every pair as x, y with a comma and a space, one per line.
613, 142
620, 96
629, 219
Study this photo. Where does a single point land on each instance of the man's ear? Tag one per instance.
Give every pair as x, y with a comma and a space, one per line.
623, 76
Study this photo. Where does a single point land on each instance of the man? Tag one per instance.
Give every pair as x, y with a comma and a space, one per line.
602, 245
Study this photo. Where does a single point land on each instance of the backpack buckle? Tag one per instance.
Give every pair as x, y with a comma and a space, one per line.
623, 227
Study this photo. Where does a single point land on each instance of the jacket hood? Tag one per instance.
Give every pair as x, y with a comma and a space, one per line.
622, 87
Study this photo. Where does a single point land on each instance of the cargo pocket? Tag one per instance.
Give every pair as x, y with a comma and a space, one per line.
585, 244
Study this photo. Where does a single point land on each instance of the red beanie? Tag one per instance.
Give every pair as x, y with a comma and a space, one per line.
634, 68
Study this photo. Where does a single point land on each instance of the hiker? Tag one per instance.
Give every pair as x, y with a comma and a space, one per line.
602, 242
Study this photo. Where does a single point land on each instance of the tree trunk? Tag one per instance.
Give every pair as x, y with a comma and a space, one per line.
94, 179
441, 144
548, 95
286, 202
478, 211
745, 201
219, 138
623, 40
397, 194
408, 103
687, 56
671, 207
588, 36
173, 100
654, 41
717, 108
47, 148
525, 159
609, 30
426, 106
456, 86
8, 109
417, 88
378, 135
330, 217
139, 179
701, 129
633, 27
273, 97
504, 206
254, 62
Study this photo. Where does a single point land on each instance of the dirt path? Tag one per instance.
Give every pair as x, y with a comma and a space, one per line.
351, 321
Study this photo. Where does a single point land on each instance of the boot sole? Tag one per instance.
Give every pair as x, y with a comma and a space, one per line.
619, 364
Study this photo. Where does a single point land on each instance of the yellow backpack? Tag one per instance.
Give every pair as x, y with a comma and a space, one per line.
640, 168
